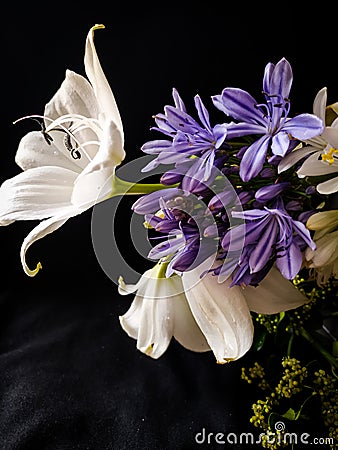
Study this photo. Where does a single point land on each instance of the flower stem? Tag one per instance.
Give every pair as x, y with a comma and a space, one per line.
327, 355
288, 352
122, 187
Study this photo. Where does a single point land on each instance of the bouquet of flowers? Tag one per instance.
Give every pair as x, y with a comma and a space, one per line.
242, 225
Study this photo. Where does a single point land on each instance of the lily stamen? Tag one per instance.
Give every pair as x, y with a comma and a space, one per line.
330, 156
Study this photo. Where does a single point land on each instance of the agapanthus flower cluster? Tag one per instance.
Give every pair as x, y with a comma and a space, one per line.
234, 219
241, 196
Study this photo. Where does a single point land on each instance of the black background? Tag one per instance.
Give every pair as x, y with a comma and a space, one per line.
70, 377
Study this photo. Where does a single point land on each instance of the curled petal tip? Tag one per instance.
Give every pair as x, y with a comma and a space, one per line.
32, 273
224, 361
149, 350
98, 26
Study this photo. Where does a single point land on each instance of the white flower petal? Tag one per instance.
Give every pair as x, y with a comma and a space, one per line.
186, 330
37, 193
331, 136
313, 166
274, 294
100, 84
319, 104
34, 151
75, 97
221, 313
295, 156
326, 251
126, 289
130, 321
150, 318
328, 187
45, 227
158, 312
95, 182
82, 139
323, 220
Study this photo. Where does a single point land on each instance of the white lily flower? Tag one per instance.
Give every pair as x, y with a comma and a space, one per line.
324, 259
201, 313
66, 166
321, 151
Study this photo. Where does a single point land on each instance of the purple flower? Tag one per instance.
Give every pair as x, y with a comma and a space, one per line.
184, 242
268, 120
271, 236
270, 191
187, 137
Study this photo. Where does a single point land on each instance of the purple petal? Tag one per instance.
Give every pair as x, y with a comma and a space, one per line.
235, 130
166, 248
180, 120
271, 191
268, 71
171, 177
251, 214
235, 238
202, 113
264, 248
280, 143
267, 172
290, 262
254, 158
239, 104
178, 101
301, 229
150, 203
220, 133
243, 234
304, 126
156, 146
222, 200
281, 79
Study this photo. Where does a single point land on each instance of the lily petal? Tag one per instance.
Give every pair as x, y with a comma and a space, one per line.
330, 134
328, 187
95, 182
159, 312
100, 84
221, 313
34, 151
295, 156
37, 193
74, 98
312, 166
274, 294
45, 227
319, 103
323, 220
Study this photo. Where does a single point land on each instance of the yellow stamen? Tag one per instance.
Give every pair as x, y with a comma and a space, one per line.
328, 157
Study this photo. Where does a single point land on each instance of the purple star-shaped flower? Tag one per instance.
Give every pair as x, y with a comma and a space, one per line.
270, 121
187, 136
271, 235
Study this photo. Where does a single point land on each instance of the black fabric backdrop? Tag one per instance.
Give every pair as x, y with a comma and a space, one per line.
70, 377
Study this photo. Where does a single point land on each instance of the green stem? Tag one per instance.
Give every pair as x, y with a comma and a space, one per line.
327, 355
288, 352
122, 187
